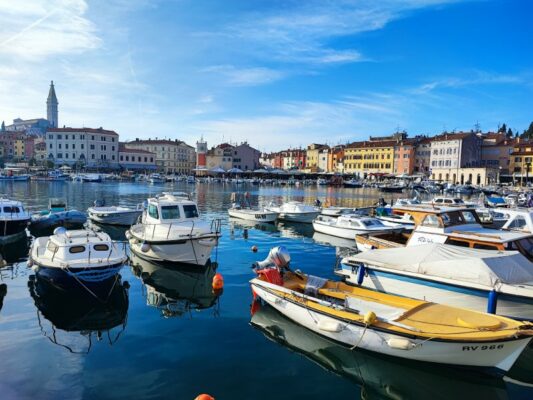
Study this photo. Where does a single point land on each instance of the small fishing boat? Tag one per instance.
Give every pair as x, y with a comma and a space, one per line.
55, 216
191, 179
347, 226
388, 324
482, 280
13, 218
394, 188
246, 212
337, 211
352, 183
294, 211
77, 259
114, 215
171, 230
92, 178
156, 178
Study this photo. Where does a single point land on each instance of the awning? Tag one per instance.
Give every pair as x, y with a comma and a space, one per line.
139, 167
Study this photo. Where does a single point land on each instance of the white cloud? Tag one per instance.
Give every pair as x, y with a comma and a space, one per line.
44, 28
475, 78
234, 76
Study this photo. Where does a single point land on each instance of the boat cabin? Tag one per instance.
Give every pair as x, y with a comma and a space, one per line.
519, 220
170, 207
450, 202
12, 210
356, 222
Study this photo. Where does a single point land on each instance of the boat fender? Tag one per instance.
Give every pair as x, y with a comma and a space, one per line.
204, 397
35, 268
400, 344
370, 317
218, 281
330, 326
360, 274
29, 263
145, 247
492, 302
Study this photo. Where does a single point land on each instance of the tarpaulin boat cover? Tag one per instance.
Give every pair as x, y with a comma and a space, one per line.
484, 267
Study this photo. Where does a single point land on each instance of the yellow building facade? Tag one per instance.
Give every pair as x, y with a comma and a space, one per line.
521, 162
19, 148
364, 158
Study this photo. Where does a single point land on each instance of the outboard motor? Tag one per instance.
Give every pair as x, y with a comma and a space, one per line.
278, 257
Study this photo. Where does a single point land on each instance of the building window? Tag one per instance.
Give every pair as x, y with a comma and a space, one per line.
92, 146
66, 145
113, 157
73, 146
50, 136
66, 136
112, 148
82, 146
50, 145
127, 158
92, 156
59, 136
82, 137
59, 146
59, 155
92, 137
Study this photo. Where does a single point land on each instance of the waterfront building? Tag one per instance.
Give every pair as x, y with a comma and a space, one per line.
220, 156
404, 156
93, 148
16, 145
521, 161
471, 176
292, 159
422, 156
323, 159
336, 159
135, 159
496, 151
312, 157
171, 156
267, 160
456, 150
370, 158
40, 152
245, 157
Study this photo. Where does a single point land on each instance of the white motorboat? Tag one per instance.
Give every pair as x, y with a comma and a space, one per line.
393, 325
294, 211
251, 214
482, 280
451, 202
518, 219
191, 179
91, 178
321, 182
335, 211
13, 218
347, 226
171, 230
157, 178
405, 220
77, 259
114, 215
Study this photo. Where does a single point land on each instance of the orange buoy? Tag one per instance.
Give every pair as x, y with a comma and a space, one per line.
204, 397
254, 249
218, 282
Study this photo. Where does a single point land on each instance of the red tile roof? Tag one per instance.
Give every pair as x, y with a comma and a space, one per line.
122, 147
451, 136
86, 130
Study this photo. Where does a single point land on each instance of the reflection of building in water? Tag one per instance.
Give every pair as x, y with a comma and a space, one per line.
176, 289
380, 377
79, 315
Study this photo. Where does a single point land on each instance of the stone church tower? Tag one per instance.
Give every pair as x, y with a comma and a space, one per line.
51, 107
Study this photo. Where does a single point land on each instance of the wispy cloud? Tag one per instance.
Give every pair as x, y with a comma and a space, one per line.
235, 76
44, 28
471, 79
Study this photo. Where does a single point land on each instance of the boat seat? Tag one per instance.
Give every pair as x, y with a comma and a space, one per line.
383, 311
314, 284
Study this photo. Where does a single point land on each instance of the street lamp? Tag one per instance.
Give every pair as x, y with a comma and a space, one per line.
528, 165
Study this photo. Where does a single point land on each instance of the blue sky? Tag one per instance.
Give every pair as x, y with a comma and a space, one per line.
275, 73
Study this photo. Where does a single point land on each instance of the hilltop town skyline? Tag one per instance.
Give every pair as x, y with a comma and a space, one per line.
344, 71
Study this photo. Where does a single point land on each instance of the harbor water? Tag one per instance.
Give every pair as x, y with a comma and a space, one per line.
164, 333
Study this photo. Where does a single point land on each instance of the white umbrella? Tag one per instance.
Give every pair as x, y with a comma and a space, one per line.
260, 171
235, 171
217, 170
277, 171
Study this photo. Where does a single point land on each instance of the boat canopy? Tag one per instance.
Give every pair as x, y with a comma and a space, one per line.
485, 267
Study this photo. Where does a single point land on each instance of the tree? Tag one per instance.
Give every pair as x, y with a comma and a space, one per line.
502, 128
509, 133
32, 162
50, 164
528, 133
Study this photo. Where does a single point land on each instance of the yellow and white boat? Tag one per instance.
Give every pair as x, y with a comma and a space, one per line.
389, 324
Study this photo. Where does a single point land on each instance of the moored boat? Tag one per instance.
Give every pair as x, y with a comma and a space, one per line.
13, 218
77, 259
171, 230
294, 211
392, 325
482, 280
114, 215
347, 226
251, 214
55, 216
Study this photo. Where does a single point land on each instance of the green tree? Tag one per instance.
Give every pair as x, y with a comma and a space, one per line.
32, 162
509, 133
528, 133
50, 164
503, 128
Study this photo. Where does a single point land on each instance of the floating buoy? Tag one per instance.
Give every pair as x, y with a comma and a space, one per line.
204, 397
370, 317
254, 248
218, 282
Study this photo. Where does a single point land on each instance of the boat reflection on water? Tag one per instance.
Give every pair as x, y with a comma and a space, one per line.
15, 249
343, 247
115, 232
3, 293
378, 376
176, 289
295, 230
236, 224
76, 315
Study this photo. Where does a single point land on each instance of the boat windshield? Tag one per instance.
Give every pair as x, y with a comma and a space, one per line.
371, 222
458, 218
525, 246
469, 217
11, 209
170, 212
190, 211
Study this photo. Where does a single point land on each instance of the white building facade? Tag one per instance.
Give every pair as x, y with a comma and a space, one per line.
86, 147
171, 156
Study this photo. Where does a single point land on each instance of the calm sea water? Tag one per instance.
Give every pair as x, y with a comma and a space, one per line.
165, 335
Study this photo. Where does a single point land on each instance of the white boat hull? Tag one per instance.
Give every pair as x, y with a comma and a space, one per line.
251, 215
348, 233
499, 355
439, 293
126, 218
189, 251
306, 217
